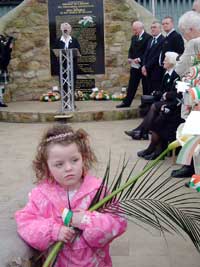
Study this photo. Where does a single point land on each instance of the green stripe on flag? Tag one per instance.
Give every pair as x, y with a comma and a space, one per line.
197, 91
68, 218
198, 189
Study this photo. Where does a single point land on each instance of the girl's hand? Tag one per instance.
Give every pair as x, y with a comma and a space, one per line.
77, 218
66, 234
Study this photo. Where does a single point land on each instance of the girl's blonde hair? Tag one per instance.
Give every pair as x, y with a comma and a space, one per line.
64, 135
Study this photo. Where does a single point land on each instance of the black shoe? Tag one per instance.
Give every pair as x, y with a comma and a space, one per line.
185, 171
187, 184
145, 136
144, 153
130, 133
122, 105
2, 105
139, 135
153, 155
133, 133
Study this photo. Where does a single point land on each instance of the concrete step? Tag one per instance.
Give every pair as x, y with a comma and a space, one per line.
36, 111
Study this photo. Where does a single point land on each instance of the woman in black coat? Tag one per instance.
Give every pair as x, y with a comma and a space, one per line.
165, 115
66, 41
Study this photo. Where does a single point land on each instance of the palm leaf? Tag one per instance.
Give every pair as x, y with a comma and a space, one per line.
161, 204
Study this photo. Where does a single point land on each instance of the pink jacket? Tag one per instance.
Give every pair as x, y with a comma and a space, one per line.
40, 220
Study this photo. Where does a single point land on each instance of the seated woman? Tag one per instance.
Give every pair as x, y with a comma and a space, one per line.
168, 84
165, 117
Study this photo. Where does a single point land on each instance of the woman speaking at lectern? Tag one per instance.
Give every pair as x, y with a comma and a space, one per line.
66, 41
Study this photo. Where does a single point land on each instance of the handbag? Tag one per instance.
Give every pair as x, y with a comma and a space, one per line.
146, 102
147, 99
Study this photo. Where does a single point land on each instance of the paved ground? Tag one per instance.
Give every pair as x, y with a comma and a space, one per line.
137, 248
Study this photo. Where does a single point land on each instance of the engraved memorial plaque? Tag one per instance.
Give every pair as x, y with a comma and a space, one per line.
90, 36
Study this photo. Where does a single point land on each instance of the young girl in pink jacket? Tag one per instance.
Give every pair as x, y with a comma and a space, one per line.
63, 193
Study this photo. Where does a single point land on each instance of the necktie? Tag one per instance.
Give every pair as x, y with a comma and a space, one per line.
153, 42
167, 77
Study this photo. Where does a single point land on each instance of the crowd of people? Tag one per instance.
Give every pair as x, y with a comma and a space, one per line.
146, 55
156, 60
164, 60
58, 207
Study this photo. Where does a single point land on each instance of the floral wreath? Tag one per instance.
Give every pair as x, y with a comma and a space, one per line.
50, 97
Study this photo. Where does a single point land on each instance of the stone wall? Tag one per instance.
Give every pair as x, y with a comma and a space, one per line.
30, 65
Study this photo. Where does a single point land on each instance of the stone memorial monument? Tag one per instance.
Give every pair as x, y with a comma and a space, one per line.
30, 66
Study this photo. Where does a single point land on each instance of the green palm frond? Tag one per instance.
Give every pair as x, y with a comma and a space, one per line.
162, 204
111, 184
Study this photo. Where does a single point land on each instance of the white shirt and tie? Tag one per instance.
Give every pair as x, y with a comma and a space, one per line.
168, 74
155, 40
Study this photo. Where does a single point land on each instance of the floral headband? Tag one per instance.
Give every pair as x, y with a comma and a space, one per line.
59, 137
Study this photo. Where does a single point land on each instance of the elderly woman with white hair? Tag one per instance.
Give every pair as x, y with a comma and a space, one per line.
189, 25
141, 132
196, 6
66, 41
164, 115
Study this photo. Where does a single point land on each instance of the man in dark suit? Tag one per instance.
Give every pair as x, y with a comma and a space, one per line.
6, 44
173, 41
150, 64
135, 57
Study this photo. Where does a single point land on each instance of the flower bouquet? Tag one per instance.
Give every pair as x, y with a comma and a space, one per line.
50, 96
118, 96
85, 22
102, 95
99, 94
81, 96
